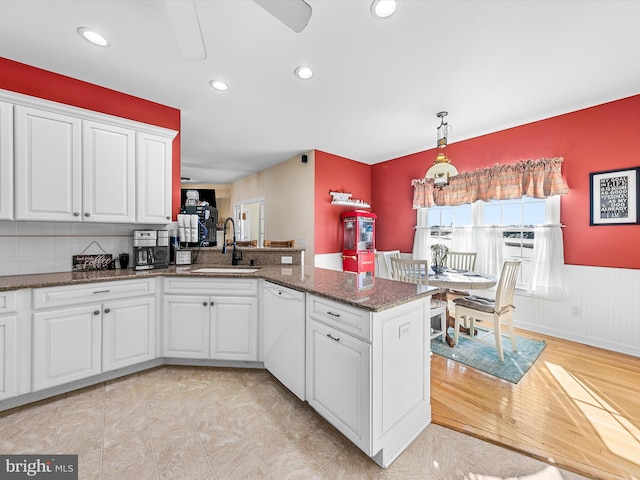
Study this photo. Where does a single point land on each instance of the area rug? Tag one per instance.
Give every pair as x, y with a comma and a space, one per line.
484, 357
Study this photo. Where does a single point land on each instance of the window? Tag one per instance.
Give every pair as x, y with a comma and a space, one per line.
516, 219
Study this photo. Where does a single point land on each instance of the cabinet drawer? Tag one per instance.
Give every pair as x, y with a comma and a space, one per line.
8, 302
92, 292
343, 317
211, 286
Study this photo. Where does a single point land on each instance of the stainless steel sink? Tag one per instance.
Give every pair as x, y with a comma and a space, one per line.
224, 270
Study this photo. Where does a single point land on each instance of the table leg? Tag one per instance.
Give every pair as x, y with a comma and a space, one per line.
451, 321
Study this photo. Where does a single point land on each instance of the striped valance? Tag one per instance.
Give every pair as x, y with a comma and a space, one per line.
532, 178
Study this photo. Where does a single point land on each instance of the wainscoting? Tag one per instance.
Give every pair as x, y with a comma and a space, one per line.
601, 308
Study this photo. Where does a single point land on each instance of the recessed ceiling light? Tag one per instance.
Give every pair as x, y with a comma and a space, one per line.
93, 37
303, 72
219, 85
383, 8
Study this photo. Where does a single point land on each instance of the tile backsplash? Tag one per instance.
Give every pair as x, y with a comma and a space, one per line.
43, 247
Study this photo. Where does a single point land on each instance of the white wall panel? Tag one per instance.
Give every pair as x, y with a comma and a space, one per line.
601, 308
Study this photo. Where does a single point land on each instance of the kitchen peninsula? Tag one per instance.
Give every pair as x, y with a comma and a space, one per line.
366, 340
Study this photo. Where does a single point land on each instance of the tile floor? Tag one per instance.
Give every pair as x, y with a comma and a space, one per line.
201, 423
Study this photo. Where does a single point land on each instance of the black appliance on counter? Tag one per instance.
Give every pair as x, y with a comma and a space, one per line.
150, 249
207, 225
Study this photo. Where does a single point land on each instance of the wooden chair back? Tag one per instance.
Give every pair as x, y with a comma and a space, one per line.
279, 243
410, 271
246, 243
461, 260
505, 291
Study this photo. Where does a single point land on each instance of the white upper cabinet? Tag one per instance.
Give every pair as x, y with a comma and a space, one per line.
6, 161
153, 170
108, 154
47, 165
66, 164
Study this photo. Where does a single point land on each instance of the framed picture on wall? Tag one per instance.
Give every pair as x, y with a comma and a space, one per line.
615, 198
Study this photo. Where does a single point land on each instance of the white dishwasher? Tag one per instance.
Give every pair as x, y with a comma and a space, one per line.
284, 336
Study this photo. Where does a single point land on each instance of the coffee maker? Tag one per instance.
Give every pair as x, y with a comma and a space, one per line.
150, 249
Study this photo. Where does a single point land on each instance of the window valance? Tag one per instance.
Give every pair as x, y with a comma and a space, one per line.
540, 178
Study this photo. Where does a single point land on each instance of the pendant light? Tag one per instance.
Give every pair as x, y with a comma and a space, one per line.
442, 169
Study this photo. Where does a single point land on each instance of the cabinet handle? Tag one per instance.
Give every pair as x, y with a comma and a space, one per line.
168, 218
107, 310
97, 312
212, 304
337, 315
204, 304
76, 214
87, 214
101, 291
332, 337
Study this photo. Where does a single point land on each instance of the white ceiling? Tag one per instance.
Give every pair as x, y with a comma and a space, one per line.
378, 83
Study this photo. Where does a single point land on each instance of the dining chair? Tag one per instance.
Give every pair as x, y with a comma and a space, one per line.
279, 243
246, 243
417, 272
496, 312
461, 260
386, 260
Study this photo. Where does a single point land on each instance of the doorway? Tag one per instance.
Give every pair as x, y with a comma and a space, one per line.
249, 218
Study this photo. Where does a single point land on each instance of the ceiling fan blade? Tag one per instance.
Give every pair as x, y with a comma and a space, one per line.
186, 28
295, 14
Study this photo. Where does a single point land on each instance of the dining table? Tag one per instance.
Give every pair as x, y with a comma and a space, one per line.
452, 280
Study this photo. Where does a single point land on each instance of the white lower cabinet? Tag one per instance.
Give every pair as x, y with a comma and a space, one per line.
66, 345
8, 356
368, 372
91, 330
339, 390
219, 326
186, 326
128, 332
234, 328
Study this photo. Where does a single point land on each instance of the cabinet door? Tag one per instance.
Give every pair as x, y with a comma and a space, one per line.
128, 332
186, 320
66, 345
234, 328
48, 180
108, 156
6, 161
8, 356
153, 178
338, 384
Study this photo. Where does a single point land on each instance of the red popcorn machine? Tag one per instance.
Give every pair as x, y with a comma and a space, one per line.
359, 245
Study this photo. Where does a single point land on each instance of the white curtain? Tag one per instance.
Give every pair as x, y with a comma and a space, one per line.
489, 244
548, 262
421, 235
462, 240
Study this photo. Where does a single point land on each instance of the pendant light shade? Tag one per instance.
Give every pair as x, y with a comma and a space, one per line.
442, 169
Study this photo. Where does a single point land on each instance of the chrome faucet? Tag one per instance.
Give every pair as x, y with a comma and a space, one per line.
236, 256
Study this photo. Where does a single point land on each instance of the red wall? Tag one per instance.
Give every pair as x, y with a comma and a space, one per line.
336, 174
28, 80
595, 139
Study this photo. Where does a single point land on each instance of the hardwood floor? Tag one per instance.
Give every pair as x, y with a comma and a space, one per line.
578, 407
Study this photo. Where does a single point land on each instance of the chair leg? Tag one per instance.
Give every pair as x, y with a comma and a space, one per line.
456, 327
443, 326
496, 331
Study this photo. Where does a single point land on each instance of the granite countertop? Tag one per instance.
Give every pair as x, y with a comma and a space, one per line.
369, 293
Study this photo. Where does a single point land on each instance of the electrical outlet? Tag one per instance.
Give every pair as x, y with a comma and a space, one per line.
404, 330
576, 311
288, 260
